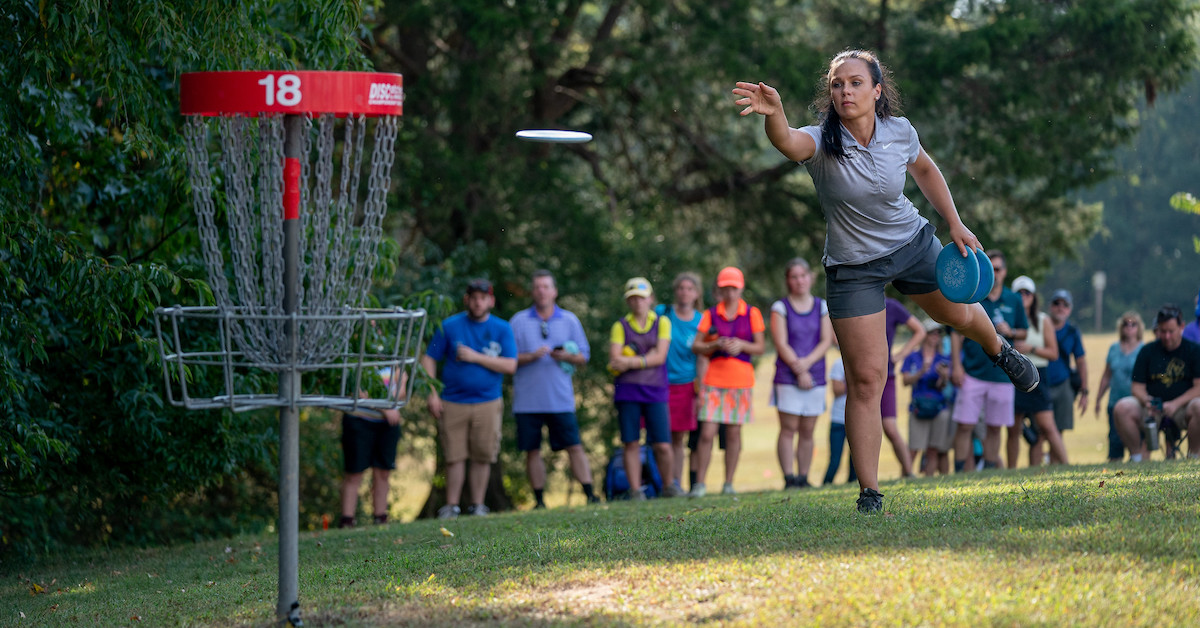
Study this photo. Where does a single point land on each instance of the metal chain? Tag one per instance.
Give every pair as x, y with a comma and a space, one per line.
196, 138
339, 245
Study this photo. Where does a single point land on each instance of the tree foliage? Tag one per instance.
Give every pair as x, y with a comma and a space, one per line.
94, 233
1148, 251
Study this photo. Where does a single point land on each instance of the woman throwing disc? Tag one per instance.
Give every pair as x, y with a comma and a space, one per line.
858, 157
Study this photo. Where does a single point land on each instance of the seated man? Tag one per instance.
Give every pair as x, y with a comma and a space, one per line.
1166, 385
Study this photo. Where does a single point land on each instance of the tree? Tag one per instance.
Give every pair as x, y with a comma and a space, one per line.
1147, 251
94, 232
676, 180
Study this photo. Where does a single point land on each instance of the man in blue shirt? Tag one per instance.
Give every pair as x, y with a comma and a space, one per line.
478, 350
1058, 372
550, 346
982, 386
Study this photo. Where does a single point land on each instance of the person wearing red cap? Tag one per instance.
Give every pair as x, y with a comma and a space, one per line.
729, 333
859, 157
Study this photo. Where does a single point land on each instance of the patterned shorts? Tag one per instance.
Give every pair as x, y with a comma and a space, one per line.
731, 406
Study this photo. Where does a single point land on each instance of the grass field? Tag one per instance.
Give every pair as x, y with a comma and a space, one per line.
1079, 546
1087, 545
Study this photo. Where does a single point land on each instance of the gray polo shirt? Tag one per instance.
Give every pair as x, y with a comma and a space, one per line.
863, 198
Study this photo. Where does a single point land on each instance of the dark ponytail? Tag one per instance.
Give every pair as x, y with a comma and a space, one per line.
887, 106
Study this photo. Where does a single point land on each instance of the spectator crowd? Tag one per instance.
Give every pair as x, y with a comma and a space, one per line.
684, 380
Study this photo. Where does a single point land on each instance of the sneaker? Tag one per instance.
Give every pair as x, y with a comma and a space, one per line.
1018, 367
673, 490
698, 490
638, 496
479, 510
449, 511
870, 501
728, 490
789, 481
591, 500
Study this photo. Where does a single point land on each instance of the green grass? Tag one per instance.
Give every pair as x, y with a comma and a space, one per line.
1086, 545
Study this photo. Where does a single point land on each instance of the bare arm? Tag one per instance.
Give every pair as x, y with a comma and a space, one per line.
1173, 406
658, 355
1081, 366
933, 185
434, 400
956, 371
823, 345
918, 336
763, 99
779, 337
532, 356
701, 371
1105, 381
496, 364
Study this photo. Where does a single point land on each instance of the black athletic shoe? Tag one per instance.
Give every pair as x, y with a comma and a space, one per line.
1019, 369
870, 501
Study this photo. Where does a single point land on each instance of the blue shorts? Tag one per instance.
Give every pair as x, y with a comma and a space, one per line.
658, 421
563, 428
857, 290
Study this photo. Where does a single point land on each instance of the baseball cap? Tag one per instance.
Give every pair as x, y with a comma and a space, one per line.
1062, 294
730, 276
638, 287
479, 285
931, 325
1025, 283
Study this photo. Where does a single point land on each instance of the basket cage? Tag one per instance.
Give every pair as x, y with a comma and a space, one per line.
357, 358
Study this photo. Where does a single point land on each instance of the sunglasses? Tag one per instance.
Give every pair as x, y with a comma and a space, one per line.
545, 329
1129, 323
1061, 303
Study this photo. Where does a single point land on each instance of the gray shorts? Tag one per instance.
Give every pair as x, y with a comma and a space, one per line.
857, 290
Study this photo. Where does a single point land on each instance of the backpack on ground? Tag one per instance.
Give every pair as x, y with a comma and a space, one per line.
616, 484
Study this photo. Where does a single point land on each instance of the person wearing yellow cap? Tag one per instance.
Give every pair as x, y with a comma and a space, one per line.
637, 355
729, 333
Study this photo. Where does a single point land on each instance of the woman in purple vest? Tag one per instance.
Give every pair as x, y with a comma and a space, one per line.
803, 334
637, 354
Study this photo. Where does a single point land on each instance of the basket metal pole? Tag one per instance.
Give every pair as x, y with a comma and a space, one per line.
288, 609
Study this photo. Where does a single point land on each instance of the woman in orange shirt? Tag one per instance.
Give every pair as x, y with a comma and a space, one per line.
729, 333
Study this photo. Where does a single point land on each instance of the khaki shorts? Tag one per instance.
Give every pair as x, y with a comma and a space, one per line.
936, 433
471, 430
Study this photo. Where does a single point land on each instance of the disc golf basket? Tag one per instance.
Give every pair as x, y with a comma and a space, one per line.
301, 250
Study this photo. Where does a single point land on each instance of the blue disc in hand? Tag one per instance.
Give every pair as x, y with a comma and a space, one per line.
957, 276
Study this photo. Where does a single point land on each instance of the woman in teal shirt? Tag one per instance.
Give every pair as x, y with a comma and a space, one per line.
1118, 374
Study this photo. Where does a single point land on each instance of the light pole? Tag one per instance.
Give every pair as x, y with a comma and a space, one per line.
1099, 280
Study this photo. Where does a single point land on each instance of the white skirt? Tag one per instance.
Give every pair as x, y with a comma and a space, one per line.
792, 399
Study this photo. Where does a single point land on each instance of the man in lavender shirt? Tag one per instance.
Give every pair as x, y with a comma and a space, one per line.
550, 346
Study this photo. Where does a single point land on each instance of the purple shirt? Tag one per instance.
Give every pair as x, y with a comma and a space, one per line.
804, 334
642, 385
896, 315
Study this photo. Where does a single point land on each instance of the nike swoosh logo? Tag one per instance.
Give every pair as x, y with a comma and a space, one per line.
885, 146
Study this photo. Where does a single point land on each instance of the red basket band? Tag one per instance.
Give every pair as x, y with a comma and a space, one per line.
251, 93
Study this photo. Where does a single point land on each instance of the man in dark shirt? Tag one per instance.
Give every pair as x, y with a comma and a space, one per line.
1166, 385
